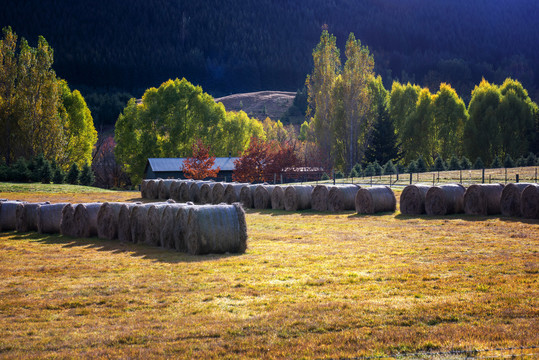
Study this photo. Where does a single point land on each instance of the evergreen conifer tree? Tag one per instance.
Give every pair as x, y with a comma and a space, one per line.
73, 175
412, 167
496, 163
465, 163
439, 164
59, 176
46, 172
370, 170
389, 168
454, 163
478, 164
531, 160
420, 164
508, 162
378, 171
86, 177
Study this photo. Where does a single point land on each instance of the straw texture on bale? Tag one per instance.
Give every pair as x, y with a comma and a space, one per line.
163, 189
185, 194
144, 189
8, 215
107, 220
124, 222
232, 192
375, 199
445, 199
297, 197
175, 190
67, 225
483, 199
247, 195
26, 214
342, 198
86, 219
194, 190
510, 200
319, 197
153, 223
138, 223
206, 193
216, 229
529, 202
412, 201
262, 196
277, 198
49, 217
152, 189
170, 226
218, 193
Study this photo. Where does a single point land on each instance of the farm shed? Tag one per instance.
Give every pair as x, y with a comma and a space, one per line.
172, 168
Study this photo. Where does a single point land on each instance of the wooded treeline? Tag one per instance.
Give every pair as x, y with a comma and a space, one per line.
230, 47
354, 119
39, 114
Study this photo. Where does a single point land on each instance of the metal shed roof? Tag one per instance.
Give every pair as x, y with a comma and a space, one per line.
176, 164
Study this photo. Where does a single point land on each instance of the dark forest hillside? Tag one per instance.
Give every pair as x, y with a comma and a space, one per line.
250, 45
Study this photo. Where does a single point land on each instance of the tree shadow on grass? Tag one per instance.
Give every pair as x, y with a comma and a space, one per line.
465, 217
308, 212
143, 251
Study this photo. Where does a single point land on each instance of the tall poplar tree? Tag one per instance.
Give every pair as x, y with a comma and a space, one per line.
320, 83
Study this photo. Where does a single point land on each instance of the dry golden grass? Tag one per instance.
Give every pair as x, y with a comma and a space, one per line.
311, 285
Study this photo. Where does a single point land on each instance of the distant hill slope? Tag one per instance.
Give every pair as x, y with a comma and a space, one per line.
260, 104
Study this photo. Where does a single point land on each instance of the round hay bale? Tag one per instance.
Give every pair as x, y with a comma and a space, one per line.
27, 216
144, 188
206, 193
262, 196
49, 218
216, 229
297, 197
176, 190
529, 202
342, 198
445, 199
138, 223
247, 195
154, 224
510, 200
375, 199
152, 189
319, 197
277, 198
218, 193
194, 190
163, 189
412, 201
483, 199
107, 220
68, 226
232, 192
86, 219
170, 225
8, 215
184, 191
124, 221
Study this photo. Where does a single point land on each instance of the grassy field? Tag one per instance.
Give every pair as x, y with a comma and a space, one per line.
311, 285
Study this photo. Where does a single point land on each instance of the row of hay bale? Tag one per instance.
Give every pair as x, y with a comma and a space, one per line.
197, 229
196, 191
516, 200
320, 197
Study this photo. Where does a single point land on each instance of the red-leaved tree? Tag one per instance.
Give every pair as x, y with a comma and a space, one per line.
262, 161
199, 165
108, 173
